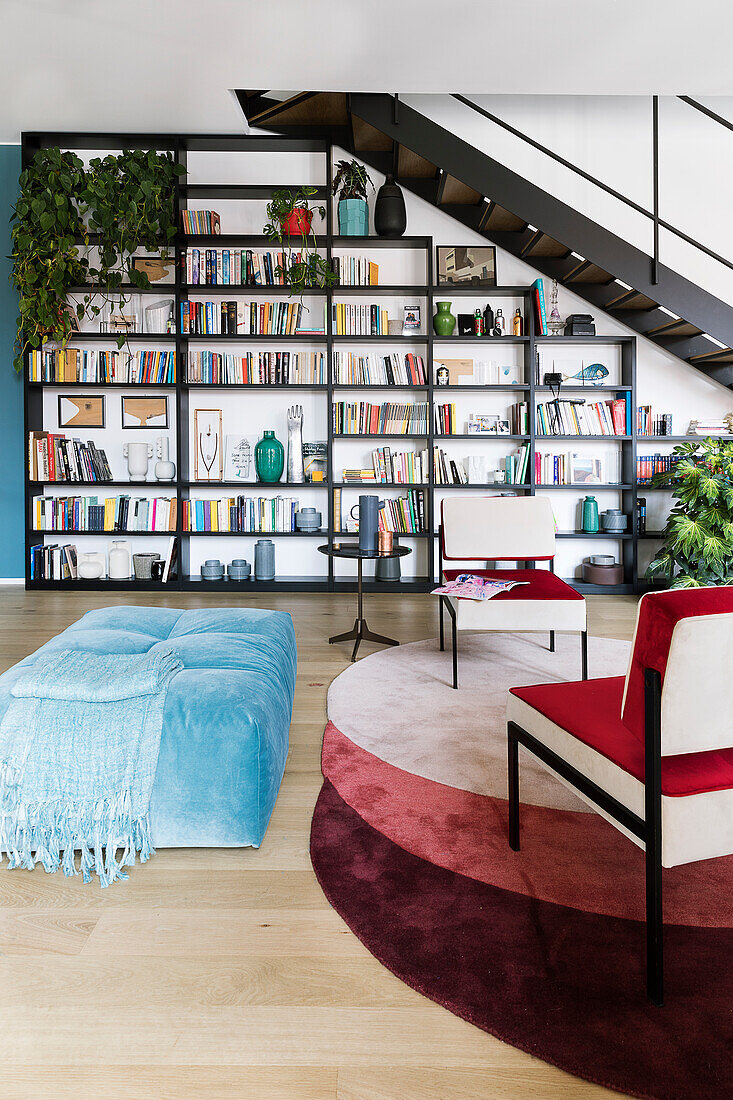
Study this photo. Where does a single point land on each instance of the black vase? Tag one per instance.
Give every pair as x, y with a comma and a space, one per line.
390, 215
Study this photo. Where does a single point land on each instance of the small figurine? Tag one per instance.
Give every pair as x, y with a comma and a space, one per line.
442, 377
499, 323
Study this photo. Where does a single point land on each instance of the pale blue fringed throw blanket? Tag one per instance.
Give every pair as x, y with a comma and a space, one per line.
79, 747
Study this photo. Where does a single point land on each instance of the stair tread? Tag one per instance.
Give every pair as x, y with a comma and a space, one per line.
498, 217
587, 272
458, 193
633, 299
541, 244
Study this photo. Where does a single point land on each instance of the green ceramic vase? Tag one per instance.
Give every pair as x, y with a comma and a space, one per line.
269, 458
590, 515
444, 322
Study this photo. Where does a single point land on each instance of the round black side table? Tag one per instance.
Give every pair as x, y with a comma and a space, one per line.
360, 630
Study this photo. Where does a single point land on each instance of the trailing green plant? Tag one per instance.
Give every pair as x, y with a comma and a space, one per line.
351, 180
303, 265
65, 210
698, 537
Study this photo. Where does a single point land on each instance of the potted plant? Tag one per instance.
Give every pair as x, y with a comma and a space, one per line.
698, 537
291, 226
350, 182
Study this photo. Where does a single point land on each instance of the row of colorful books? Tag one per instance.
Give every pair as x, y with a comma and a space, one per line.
649, 424
571, 418
404, 515
255, 515
355, 271
647, 466
55, 458
53, 562
377, 370
392, 468
446, 419
198, 222
89, 513
364, 319
447, 470
248, 319
391, 417
235, 267
275, 368
82, 365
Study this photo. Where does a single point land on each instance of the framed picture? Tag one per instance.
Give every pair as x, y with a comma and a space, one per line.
460, 371
411, 318
145, 412
155, 267
208, 460
239, 458
585, 470
466, 265
81, 412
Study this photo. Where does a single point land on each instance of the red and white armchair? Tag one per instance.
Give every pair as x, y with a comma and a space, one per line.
652, 752
507, 529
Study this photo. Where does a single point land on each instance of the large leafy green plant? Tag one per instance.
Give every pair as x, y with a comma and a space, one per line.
115, 206
698, 537
311, 269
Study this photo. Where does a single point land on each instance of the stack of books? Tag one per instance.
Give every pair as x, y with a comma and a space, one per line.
389, 418
649, 465
244, 319
392, 468
355, 271
446, 470
404, 515
515, 466
246, 514
711, 427
53, 563
56, 458
121, 513
273, 368
359, 320
377, 370
446, 421
648, 424
592, 418
236, 267
79, 365
198, 222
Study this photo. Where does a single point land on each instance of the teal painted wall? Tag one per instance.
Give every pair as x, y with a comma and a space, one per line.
11, 387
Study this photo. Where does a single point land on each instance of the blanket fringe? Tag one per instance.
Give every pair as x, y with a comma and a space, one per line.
41, 833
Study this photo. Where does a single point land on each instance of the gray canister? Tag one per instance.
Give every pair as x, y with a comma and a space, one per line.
264, 560
388, 569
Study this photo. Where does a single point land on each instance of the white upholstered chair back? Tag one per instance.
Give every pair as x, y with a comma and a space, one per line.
497, 528
697, 694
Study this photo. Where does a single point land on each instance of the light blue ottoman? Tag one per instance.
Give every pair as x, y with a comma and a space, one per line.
227, 715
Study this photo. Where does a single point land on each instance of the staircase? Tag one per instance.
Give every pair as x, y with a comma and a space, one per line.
516, 215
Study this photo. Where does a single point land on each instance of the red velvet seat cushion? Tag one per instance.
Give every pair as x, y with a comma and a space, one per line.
659, 613
543, 585
591, 711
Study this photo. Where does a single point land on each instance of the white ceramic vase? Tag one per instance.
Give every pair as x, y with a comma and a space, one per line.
90, 566
138, 455
165, 470
119, 561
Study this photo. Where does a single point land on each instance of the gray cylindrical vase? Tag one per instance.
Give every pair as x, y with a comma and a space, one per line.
264, 560
388, 569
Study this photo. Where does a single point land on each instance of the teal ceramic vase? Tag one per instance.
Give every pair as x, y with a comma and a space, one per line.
269, 458
444, 322
353, 218
590, 515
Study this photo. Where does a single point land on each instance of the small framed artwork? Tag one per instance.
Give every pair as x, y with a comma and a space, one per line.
585, 470
81, 412
208, 460
466, 265
145, 412
411, 318
155, 267
239, 459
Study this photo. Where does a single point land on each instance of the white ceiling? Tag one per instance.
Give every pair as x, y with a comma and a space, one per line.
157, 65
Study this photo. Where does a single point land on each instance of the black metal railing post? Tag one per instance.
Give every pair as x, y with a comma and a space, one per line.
655, 187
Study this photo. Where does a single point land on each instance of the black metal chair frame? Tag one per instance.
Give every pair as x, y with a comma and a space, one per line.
648, 829
446, 605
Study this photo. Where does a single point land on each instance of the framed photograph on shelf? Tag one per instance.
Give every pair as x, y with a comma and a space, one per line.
239, 459
411, 318
208, 460
585, 470
466, 265
145, 412
81, 412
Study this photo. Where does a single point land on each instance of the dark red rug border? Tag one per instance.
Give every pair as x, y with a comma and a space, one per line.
572, 980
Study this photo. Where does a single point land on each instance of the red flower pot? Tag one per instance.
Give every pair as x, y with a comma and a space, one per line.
297, 223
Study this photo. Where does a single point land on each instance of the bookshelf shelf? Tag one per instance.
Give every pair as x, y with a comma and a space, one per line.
410, 275
676, 438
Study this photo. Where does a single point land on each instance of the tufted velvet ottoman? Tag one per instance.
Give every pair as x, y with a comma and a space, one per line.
227, 716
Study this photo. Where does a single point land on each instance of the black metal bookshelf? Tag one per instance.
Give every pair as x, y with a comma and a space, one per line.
424, 343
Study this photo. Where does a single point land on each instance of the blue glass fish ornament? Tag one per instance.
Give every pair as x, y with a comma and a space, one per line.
593, 374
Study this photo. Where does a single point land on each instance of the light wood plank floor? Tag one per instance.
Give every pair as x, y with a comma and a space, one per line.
219, 974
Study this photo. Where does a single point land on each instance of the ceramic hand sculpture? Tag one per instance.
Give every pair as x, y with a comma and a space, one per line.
295, 444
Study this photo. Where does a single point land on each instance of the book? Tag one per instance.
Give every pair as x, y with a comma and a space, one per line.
541, 315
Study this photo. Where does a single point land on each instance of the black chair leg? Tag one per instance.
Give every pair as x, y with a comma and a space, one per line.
584, 654
442, 635
654, 925
455, 653
552, 641
513, 776
653, 837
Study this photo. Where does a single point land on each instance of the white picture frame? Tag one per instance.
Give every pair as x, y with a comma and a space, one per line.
239, 459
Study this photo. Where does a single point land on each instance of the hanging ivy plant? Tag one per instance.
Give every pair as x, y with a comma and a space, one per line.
74, 224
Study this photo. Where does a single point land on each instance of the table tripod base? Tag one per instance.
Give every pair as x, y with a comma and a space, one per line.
360, 633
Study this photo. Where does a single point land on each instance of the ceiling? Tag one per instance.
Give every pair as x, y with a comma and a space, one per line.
170, 65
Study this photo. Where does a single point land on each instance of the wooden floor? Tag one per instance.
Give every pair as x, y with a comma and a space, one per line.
225, 973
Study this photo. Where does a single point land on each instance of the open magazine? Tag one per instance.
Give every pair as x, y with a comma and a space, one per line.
467, 586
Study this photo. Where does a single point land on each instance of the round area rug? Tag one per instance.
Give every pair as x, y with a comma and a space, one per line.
543, 948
